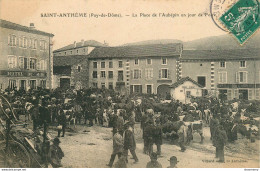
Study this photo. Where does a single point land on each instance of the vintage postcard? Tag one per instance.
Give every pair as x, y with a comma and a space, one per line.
129, 84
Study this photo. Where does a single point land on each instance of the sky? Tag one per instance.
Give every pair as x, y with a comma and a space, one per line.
115, 31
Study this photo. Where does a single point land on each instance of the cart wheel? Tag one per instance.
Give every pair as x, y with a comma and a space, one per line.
17, 156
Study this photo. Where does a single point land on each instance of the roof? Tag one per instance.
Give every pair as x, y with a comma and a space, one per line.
14, 26
171, 49
68, 60
182, 80
91, 43
220, 54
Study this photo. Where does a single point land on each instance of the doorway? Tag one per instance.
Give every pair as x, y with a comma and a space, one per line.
202, 80
243, 94
23, 84
65, 83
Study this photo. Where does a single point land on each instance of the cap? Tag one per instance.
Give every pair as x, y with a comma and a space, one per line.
56, 140
173, 158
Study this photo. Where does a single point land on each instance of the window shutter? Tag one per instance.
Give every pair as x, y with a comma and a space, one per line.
141, 91
246, 74
140, 73
38, 65
160, 73
131, 74
15, 61
168, 74
131, 89
237, 77
15, 41
9, 37
225, 77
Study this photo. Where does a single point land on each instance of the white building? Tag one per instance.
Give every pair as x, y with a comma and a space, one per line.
184, 89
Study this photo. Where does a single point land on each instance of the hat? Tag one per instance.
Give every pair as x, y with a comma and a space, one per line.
153, 155
173, 158
56, 140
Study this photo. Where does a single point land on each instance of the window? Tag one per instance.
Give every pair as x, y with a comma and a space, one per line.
136, 61
149, 73
95, 85
110, 74
120, 64
149, 61
43, 45
250, 94
32, 84
236, 94
71, 52
103, 85
222, 64
32, 63
110, 64
77, 51
241, 77
242, 64
137, 74
65, 53
110, 86
12, 61
257, 94
103, 74
94, 74
164, 73
103, 64
24, 42
20, 42
120, 76
136, 88
43, 83
188, 94
149, 89
12, 84
79, 68
41, 65
35, 44
200, 64
94, 64
222, 77
12, 40
21, 62
164, 61
229, 94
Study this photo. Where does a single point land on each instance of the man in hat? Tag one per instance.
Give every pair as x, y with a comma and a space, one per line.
181, 133
62, 121
219, 142
157, 135
153, 163
173, 162
149, 137
129, 142
117, 147
56, 154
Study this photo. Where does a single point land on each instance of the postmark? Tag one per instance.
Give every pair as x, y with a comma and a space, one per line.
218, 8
242, 19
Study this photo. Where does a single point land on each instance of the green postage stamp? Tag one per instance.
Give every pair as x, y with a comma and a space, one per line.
242, 19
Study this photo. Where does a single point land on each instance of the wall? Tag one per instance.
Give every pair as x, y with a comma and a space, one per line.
179, 93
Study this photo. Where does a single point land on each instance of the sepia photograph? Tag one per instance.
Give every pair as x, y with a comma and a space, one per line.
129, 84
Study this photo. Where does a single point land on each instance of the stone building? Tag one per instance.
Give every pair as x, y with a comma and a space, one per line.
78, 48
70, 71
227, 74
147, 69
25, 57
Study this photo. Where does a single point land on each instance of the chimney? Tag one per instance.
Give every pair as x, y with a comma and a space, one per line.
75, 44
32, 26
82, 42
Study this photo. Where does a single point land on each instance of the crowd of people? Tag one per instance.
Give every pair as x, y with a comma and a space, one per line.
110, 109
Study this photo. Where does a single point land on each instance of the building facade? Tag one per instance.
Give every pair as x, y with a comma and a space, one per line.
147, 69
70, 72
26, 59
184, 89
78, 48
228, 74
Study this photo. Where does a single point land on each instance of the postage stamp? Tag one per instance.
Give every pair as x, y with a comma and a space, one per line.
242, 19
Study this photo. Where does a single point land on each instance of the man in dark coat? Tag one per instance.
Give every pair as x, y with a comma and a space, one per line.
62, 121
149, 136
157, 136
56, 154
35, 116
129, 142
45, 116
219, 142
213, 125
